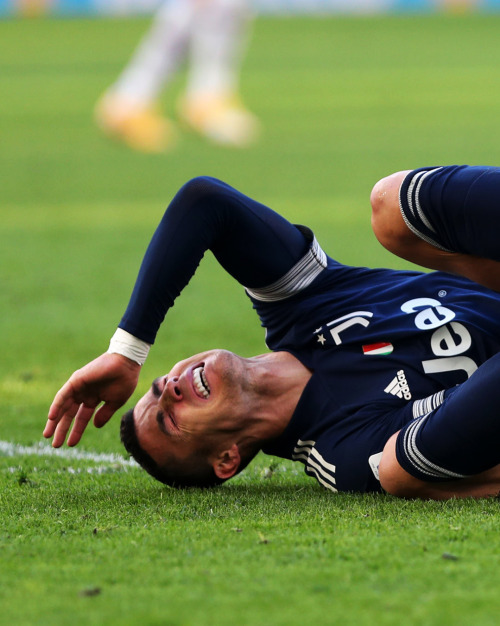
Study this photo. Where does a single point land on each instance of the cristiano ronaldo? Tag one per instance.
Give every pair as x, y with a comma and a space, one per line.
375, 379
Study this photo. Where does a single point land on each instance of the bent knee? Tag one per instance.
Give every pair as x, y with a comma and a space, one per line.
387, 221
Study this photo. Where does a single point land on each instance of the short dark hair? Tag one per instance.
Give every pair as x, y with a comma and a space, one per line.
174, 474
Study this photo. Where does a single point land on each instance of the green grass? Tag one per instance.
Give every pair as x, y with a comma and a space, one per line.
343, 102
261, 551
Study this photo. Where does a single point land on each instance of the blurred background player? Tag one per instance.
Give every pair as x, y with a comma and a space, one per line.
211, 36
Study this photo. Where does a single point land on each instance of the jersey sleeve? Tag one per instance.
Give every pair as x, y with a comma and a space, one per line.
454, 208
253, 244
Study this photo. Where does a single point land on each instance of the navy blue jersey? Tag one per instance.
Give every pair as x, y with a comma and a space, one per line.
384, 346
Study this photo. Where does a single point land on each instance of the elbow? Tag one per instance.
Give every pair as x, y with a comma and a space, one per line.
199, 187
195, 198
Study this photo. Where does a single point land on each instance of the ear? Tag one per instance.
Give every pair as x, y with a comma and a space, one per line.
227, 462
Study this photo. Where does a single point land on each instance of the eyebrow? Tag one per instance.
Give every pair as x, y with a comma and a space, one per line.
156, 388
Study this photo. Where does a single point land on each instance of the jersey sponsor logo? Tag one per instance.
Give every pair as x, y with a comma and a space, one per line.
315, 464
399, 386
429, 313
449, 341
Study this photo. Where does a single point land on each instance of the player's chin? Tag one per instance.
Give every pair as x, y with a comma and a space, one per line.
227, 365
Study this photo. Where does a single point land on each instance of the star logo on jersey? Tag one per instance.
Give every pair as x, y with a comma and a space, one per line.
321, 339
399, 386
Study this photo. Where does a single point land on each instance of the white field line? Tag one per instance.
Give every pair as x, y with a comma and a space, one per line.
42, 449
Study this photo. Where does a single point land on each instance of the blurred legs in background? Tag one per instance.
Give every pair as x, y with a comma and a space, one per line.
211, 36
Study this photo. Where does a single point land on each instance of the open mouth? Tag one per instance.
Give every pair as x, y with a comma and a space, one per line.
200, 382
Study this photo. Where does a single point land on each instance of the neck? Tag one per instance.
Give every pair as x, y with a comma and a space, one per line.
275, 384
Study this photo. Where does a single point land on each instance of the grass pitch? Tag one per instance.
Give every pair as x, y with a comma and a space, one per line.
90, 540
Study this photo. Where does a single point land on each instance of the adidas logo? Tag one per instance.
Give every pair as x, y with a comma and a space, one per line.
399, 386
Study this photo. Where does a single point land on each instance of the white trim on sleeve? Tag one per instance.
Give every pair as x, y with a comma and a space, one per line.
298, 278
127, 345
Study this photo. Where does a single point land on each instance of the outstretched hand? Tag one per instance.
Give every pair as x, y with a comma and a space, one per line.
111, 379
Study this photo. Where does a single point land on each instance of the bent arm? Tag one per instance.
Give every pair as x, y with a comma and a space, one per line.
251, 242
474, 255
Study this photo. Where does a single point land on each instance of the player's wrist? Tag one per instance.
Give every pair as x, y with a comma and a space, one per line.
129, 346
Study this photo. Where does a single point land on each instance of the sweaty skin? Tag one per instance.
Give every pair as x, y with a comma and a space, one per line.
220, 402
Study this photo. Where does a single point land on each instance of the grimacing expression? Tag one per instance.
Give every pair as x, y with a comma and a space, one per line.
200, 401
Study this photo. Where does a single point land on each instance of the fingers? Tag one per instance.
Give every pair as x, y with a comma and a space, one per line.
58, 428
60, 419
82, 419
59, 422
65, 408
49, 429
104, 414
110, 379
61, 431
63, 402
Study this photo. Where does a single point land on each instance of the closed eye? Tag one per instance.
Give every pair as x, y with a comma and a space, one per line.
161, 417
161, 422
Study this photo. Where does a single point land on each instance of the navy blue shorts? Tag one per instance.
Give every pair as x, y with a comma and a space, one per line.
454, 208
461, 436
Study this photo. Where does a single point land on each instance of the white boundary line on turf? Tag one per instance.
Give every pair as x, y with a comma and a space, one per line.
42, 449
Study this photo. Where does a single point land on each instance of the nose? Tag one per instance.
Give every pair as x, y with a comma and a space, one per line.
172, 389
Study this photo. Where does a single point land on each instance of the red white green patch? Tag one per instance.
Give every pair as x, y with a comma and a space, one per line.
380, 348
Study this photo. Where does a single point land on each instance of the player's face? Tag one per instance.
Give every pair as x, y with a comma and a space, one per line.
201, 399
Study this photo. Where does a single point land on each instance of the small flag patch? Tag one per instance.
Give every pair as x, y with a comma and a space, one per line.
378, 348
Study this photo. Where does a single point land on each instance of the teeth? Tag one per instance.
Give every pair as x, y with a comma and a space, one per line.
200, 382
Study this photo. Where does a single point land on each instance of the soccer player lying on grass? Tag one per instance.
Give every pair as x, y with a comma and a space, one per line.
376, 379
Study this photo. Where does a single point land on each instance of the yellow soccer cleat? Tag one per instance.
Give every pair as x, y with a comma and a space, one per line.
222, 120
140, 128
